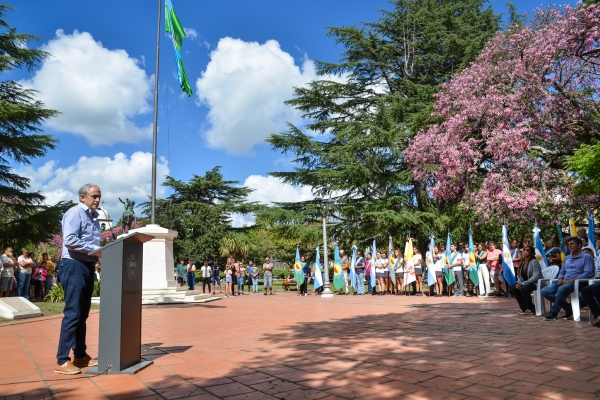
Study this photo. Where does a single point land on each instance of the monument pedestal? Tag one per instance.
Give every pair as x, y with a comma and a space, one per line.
158, 282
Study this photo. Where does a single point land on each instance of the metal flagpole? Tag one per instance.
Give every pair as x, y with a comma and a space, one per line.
155, 130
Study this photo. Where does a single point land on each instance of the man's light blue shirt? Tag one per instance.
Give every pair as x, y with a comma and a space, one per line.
81, 233
580, 266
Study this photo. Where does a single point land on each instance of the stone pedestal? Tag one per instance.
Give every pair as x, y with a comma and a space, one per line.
158, 282
18, 308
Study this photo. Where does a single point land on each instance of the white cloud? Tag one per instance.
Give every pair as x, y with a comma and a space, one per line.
117, 177
267, 190
244, 87
99, 91
191, 33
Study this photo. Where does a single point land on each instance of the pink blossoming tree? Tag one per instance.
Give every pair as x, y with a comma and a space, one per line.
511, 119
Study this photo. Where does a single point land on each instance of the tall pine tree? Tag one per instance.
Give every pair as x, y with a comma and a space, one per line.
352, 147
24, 218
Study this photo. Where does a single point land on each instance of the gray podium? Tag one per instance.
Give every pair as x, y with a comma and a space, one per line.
120, 336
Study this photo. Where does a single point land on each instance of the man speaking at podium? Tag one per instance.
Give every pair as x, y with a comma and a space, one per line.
81, 235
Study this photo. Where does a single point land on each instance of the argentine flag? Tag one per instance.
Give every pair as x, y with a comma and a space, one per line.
591, 230
373, 261
508, 269
431, 269
392, 263
318, 277
540, 252
353, 268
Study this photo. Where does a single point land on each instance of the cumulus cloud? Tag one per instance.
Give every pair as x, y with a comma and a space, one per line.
267, 190
244, 87
99, 91
119, 176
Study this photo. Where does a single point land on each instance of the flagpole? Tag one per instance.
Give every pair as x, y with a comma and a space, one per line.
154, 129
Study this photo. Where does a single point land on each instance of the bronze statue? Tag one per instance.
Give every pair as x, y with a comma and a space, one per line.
128, 216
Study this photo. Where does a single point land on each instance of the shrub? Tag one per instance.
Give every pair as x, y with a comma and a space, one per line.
96, 291
55, 295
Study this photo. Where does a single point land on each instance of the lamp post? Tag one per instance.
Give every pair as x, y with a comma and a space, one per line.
325, 207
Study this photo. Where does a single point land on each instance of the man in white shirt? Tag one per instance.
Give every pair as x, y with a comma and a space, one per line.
456, 263
206, 271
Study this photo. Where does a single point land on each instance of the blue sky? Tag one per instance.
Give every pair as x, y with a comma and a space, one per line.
243, 56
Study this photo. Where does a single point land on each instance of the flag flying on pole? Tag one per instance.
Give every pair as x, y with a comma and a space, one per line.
298, 272
540, 252
508, 270
353, 268
318, 277
473, 272
448, 273
392, 263
591, 230
373, 261
338, 278
409, 266
561, 240
572, 227
431, 269
174, 27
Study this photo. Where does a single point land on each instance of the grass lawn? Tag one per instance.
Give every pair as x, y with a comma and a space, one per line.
50, 309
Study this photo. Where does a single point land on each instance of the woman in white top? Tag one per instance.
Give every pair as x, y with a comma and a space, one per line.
418, 272
399, 270
24, 279
381, 272
483, 272
436, 264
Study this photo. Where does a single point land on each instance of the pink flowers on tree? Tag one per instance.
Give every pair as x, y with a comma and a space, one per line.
510, 119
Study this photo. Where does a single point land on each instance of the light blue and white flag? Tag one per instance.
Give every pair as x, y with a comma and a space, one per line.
591, 231
540, 252
318, 277
392, 263
508, 269
374, 261
353, 268
431, 268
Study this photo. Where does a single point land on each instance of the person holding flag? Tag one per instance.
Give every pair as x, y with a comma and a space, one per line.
360, 273
448, 273
353, 270
493, 261
298, 272
398, 267
338, 277
370, 273
418, 271
483, 273
381, 269
472, 266
455, 263
409, 269
373, 267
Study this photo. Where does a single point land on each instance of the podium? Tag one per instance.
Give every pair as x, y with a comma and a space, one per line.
120, 336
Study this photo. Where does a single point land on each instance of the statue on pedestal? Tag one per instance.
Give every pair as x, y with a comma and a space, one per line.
128, 216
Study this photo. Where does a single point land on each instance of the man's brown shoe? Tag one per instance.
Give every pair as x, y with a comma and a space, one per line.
85, 362
67, 369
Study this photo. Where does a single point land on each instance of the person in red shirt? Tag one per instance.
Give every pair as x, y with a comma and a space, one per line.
493, 262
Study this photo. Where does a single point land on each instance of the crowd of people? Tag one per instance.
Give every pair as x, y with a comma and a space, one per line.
576, 261
26, 274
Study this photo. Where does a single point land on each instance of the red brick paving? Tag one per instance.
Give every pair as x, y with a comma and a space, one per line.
290, 347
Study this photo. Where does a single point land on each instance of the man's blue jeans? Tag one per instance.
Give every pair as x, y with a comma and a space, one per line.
23, 282
255, 284
370, 288
559, 295
360, 282
77, 280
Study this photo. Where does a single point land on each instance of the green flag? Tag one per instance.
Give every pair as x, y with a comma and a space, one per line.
173, 26
338, 278
473, 265
298, 272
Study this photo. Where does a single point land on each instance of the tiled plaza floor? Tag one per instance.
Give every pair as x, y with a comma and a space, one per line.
290, 347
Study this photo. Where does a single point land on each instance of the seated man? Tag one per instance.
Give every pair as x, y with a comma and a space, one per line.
577, 265
288, 281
